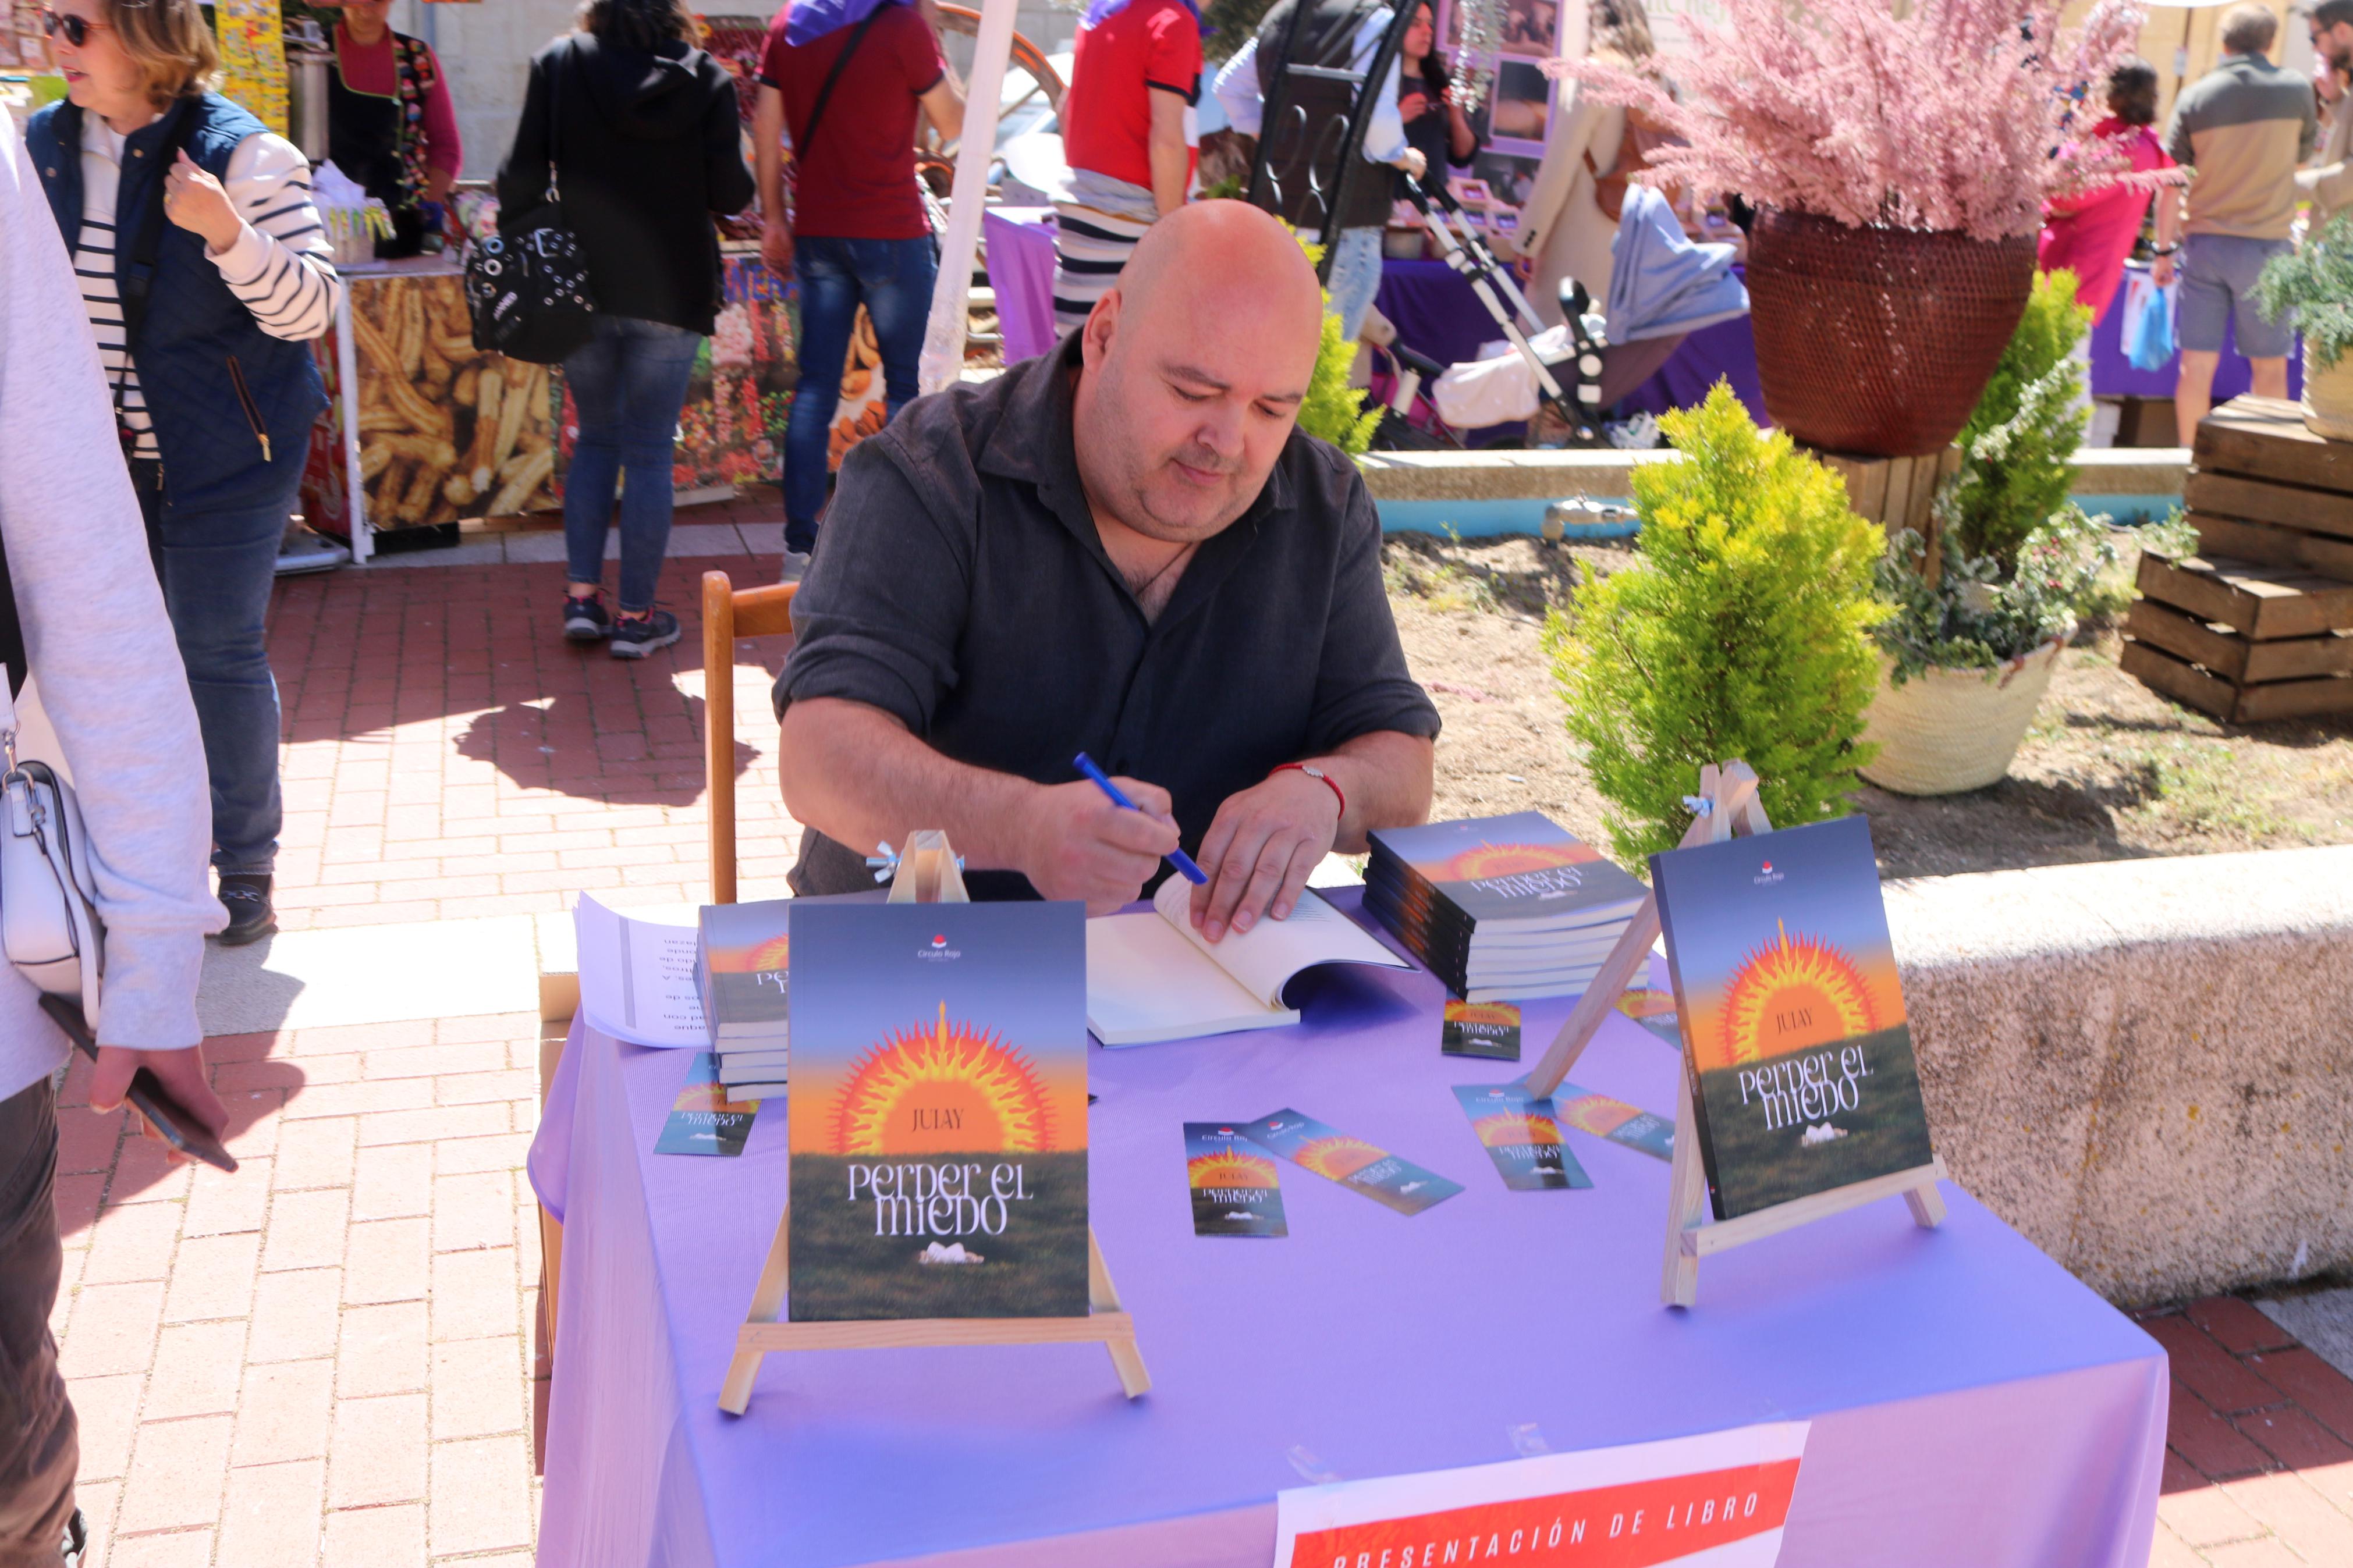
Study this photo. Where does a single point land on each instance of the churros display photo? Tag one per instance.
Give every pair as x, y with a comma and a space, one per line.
445, 431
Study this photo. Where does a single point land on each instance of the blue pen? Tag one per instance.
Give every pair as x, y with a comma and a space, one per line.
1177, 858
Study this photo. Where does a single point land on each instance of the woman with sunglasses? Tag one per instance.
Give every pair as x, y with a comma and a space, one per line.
205, 273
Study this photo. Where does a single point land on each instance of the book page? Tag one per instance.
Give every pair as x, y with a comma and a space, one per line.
636, 978
1145, 982
1263, 959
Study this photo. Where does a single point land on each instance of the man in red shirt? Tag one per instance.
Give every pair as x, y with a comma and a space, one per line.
846, 78
1135, 73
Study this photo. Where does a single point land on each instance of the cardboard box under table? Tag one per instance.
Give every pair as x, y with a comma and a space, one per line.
1970, 1402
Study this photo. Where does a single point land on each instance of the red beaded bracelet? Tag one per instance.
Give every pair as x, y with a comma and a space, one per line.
1327, 780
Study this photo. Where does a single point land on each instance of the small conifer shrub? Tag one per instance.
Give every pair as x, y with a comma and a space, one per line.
1741, 631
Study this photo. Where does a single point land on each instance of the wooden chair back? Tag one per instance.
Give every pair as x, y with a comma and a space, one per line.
728, 612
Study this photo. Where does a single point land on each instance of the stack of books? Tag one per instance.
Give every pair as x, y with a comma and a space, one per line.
741, 974
1501, 909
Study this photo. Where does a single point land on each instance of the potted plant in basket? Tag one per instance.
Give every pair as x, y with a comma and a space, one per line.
1984, 609
2317, 280
1899, 153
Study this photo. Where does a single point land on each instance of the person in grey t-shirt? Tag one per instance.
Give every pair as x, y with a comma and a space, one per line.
2244, 126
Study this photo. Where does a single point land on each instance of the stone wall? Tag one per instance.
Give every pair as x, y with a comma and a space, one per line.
2153, 471
2145, 1065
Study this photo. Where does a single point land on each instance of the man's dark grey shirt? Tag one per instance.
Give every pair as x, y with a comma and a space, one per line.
961, 586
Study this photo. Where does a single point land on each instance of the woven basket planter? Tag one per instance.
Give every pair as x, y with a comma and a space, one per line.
1876, 341
2329, 396
1945, 730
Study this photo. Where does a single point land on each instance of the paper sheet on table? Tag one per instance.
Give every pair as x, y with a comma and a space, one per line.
636, 978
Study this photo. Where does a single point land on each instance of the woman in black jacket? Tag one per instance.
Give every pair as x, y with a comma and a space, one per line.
638, 131
1433, 121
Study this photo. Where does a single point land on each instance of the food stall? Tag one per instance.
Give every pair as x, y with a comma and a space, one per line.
423, 430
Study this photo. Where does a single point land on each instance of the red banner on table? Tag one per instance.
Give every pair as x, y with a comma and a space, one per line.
1725, 1495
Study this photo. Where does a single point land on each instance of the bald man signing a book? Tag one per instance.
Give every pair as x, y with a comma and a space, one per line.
1123, 548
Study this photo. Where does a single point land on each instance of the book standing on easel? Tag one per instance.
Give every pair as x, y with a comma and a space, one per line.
1795, 1038
938, 1114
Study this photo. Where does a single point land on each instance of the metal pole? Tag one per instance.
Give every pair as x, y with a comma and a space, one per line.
347, 372
942, 361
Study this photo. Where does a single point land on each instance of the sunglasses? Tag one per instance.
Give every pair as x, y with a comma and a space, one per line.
77, 29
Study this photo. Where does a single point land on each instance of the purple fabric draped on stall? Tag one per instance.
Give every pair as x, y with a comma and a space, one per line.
2114, 375
1971, 1402
1436, 314
1019, 244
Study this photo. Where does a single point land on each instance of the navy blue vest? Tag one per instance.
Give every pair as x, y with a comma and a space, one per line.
198, 340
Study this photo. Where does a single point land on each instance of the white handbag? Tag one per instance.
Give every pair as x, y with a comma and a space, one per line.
49, 925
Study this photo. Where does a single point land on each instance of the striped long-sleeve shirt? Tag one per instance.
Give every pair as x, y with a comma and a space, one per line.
281, 265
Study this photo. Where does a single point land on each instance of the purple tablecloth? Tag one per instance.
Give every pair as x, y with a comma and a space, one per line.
1971, 1402
1019, 244
2112, 375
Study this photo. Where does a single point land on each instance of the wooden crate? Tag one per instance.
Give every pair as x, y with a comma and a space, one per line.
2255, 601
2265, 439
2175, 678
2267, 489
2238, 659
2243, 640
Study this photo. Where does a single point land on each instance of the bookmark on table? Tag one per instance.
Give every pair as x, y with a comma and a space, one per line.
1486, 1029
1654, 1009
703, 1121
1235, 1191
1614, 1120
1378, 1175
1522, 1137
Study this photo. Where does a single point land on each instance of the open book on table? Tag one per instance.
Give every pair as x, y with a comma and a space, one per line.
1151, 976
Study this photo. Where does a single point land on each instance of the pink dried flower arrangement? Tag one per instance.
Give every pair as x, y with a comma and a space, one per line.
1940, 114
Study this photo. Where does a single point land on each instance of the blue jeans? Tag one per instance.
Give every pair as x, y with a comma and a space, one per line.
217, 568
627, 383
893, 277
1355, 277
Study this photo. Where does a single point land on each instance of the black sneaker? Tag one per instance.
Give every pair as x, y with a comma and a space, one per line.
246, 898
634, 637
586, 620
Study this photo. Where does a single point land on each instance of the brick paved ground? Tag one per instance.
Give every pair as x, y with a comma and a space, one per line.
449, 755
330, 1357
2259, 1461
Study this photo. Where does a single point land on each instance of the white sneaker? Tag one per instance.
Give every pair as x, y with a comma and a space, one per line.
797, 565
304, 551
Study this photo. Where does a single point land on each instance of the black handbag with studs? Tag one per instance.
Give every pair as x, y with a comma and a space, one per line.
527, 285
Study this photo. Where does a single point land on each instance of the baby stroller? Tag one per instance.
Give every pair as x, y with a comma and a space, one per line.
1663, 288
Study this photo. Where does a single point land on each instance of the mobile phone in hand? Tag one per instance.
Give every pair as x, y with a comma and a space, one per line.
147, 1094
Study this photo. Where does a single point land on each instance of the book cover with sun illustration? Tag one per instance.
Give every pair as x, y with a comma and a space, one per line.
938, 1114
1502, 869
1793, 1018
1234, 1186
741, 957
1522, 1136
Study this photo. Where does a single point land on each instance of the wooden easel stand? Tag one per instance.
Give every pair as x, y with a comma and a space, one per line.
1730, 794
927, 874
